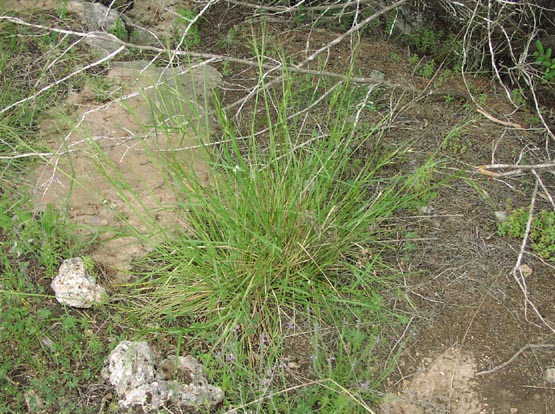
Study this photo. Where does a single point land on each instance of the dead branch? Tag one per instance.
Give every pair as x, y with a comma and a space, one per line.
65, 78
498, 121
514, 169
544, 188
515, 356
517, 269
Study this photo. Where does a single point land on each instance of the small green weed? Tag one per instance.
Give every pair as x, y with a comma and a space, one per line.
30, 237
427, 69
413, 60
187, 20
226, 68
457, 140
446, 49
119, 30
395, 57
546, 61
542, 231
102, 88
445, 76
48, 353
517, 95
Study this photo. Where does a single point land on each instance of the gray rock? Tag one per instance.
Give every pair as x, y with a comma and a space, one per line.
185, 376
130, 368
75, 287
105, 42
501, 216
98, 17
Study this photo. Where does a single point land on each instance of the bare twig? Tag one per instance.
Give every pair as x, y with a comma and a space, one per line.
515, 356
498, 121
513, 169
59, 81
544, 188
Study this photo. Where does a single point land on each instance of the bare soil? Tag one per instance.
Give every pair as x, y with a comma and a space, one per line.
105, 146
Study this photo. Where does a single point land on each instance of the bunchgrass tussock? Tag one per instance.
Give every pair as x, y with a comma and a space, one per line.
274, 230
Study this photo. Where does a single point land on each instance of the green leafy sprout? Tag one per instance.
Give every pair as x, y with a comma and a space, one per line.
542, 231
545, 60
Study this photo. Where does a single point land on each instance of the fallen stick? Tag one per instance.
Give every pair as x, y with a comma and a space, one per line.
515, 356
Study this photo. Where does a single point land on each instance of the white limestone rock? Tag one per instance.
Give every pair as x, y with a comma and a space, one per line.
185, 377
130, 368
75, 287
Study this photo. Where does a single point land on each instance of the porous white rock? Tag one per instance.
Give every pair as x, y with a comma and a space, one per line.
75, 287
186, 379
130, 368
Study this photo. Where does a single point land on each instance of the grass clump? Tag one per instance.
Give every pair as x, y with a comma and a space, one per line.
275, 279
277, 230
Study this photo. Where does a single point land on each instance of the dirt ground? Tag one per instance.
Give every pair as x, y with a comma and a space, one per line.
468, 315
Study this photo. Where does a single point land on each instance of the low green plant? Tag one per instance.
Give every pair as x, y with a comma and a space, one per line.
301, 16
542, 230
517, 95
230, 38
40, 238
448, 99
413, 59
189, 21
119, 30
427, 69
424, 40
445, 76
61, 8
102, 88
49, 353
226, 68
395, 57
483, 98
456, 140
446, 49
545, 60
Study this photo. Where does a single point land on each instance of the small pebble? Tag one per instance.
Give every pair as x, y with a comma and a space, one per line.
501, 216
550, 375
427, 209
